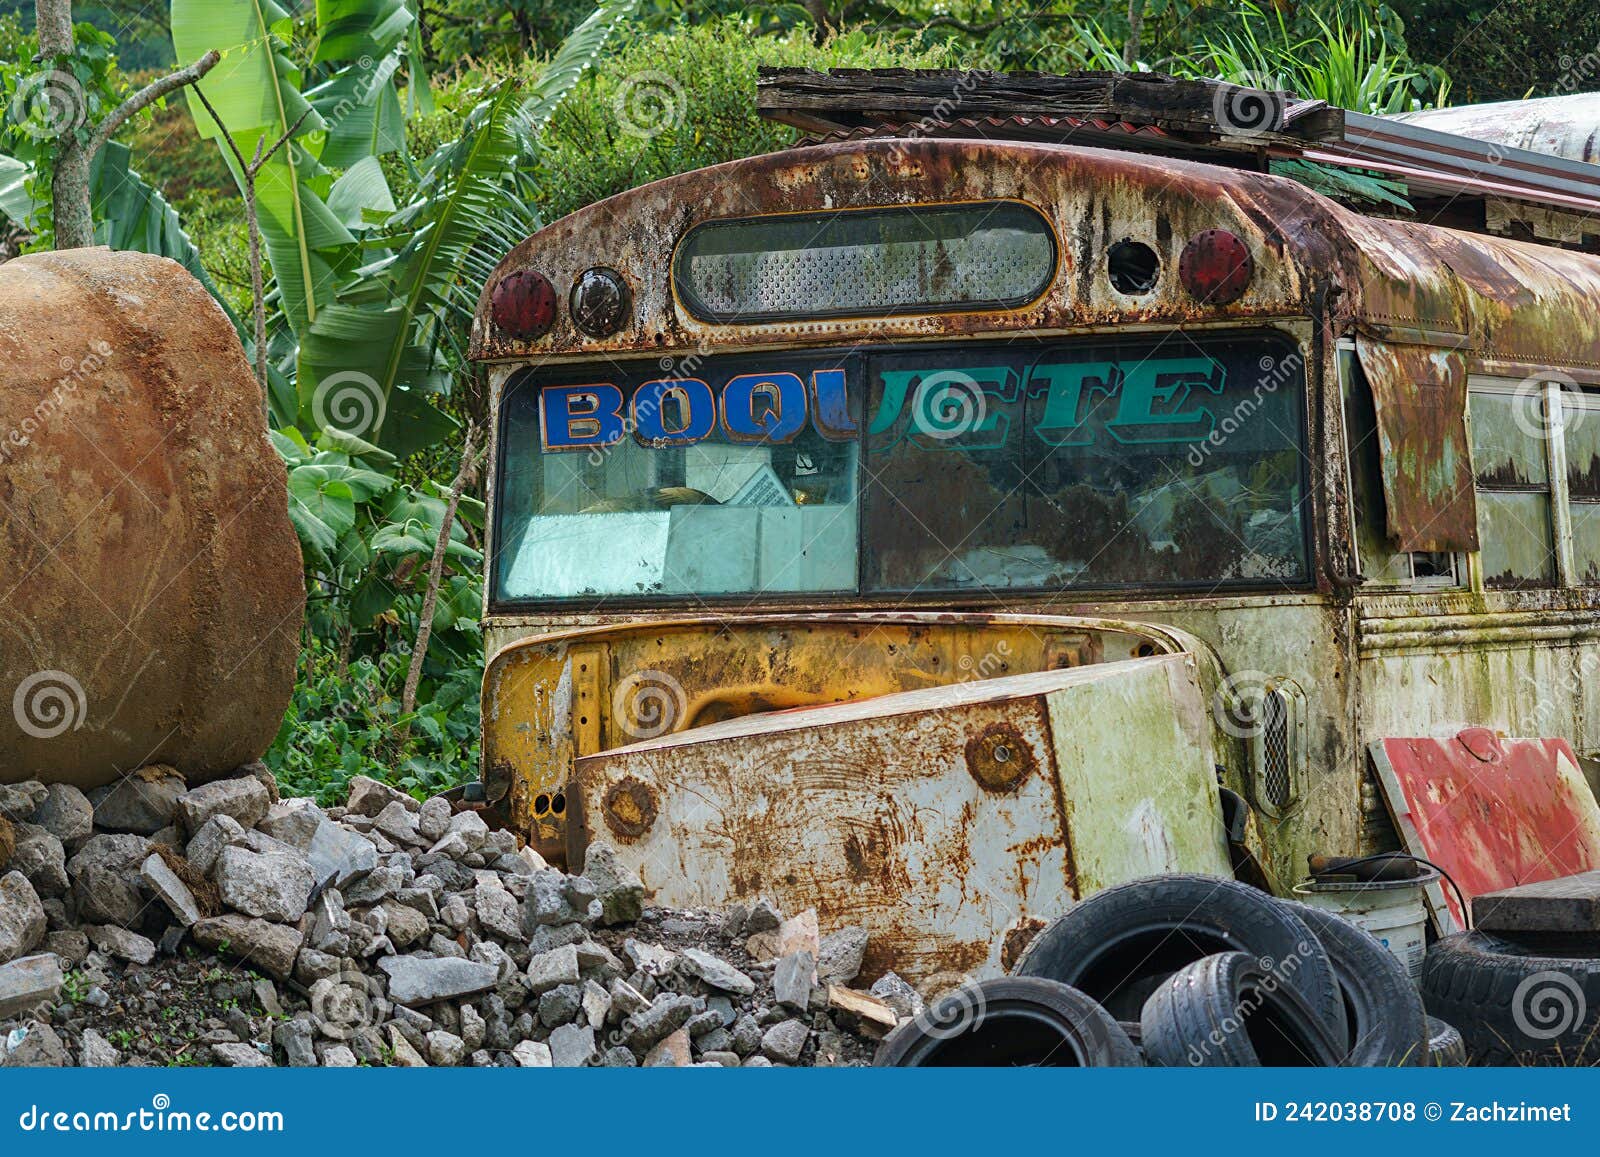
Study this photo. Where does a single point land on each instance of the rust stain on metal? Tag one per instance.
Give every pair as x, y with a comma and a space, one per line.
1501, 298
998, 758
536, 723
1420, 397
1017, 939
629, 807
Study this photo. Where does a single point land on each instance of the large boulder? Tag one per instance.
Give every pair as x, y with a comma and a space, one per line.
156, 587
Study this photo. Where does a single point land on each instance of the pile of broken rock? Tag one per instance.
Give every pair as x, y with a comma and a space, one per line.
152, 923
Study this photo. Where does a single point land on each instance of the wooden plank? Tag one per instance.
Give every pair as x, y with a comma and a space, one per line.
1565, 904
853, 97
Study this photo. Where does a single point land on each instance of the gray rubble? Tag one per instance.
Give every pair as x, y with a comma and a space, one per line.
152, 923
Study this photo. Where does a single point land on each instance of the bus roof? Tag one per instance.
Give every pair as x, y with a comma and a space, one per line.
1510, 306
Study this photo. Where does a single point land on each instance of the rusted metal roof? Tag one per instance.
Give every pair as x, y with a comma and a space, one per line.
1492, 812
1510, 306
1562, 126
1512, 151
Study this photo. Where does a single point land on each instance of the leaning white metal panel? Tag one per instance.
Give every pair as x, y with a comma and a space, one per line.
946, 820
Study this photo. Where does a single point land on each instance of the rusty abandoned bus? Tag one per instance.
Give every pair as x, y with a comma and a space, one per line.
935, 530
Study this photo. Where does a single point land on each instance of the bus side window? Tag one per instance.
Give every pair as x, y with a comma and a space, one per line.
1580, 420
1510, 464
1381, 563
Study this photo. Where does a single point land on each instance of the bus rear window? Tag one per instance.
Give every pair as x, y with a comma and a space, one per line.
1028, 466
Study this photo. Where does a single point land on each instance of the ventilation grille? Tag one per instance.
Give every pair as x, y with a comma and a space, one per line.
1277, 783
1277, 745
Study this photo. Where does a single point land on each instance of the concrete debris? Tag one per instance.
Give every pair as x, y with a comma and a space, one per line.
164, 883
143, 802
28, 982
898, 994
18, 801
386, 932
66, 813
243, 800
22, 917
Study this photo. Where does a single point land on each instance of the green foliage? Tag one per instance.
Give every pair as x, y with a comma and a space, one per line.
1352, 62
255, 89
42, 99
702, 113
345, 720
1500, 51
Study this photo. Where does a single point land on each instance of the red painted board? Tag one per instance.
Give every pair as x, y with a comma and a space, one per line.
1491, 811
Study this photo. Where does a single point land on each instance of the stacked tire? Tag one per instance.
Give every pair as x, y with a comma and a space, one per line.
1530, 1001
1200, 972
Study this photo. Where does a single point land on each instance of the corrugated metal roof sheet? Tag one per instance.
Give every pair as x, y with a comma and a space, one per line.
1562, 126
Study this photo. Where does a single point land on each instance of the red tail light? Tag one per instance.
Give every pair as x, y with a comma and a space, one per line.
1216, 267
524, 305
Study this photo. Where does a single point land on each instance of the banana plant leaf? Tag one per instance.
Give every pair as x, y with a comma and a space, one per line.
388, 323
256, 92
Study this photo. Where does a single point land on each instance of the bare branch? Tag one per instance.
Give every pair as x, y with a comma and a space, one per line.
279, 143
430, 600
226, 135
148, 95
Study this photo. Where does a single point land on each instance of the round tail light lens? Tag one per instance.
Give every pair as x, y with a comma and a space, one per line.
524, 305
599, 301
1216, 267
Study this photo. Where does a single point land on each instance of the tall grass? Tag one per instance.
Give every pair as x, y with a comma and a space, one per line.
1350, 60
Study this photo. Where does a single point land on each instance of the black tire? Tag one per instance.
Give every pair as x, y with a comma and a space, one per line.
1009, 1022
1446, 1049
1120, 944
1387, 1025
1513, 1005
1226, 1011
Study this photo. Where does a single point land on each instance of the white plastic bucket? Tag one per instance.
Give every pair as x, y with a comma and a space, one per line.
1392, 910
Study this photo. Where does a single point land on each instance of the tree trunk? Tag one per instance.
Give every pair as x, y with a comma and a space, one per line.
430, 600
69, 186
1130, 47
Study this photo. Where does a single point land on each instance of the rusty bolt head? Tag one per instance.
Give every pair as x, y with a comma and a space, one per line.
998, 758
629, 807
